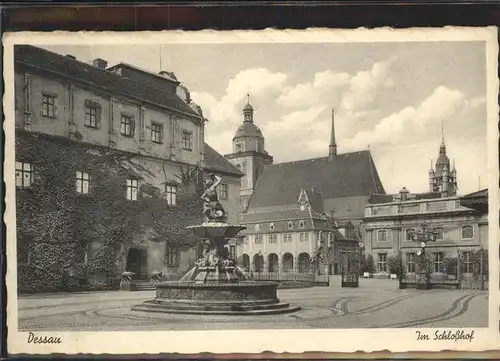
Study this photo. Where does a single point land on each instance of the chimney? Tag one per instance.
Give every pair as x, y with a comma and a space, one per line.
71, 56
100, 63
332, 148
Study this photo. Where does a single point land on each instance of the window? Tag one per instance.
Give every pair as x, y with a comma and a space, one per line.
257, 228
245, 240
172, 194
467, 262
290, 225
273, 238
382, 262
304, 237
132, 188
238, 147
410, 262
258, 238
127, 126
439, 233
301, 224
224, 191
48, 106
82, 256
187, 140
172, 256
272, 227
156, 133
467, 232
287, 237
82, 182
382, 235
409, 234
24, 175
438, 262
92, 114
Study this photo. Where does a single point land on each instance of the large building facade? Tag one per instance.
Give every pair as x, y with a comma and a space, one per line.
390, 220
296, 213
109, 167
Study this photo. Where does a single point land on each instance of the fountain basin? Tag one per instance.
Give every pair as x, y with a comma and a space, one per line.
240, 298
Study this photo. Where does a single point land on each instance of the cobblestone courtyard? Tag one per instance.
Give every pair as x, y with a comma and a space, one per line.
376, 303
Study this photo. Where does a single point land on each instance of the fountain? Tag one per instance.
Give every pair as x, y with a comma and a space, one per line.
216, 285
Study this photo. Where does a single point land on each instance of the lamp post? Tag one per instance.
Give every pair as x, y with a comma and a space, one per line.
424, 235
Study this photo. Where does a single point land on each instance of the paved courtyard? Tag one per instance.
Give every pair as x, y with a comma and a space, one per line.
376, 303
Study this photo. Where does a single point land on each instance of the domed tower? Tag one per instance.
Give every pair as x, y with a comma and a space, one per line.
442, 180
249, 155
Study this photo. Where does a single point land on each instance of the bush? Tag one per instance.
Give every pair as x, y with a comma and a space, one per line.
367, 264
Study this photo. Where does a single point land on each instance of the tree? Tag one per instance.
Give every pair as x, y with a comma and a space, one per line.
367, 264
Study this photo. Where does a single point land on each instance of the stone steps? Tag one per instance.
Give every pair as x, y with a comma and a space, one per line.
236, 310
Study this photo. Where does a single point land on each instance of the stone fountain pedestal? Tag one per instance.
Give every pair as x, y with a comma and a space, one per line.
216, 285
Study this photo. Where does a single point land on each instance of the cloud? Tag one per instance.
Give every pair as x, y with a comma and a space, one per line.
411, 124
224, 113
363, 87
352, 94
312, 93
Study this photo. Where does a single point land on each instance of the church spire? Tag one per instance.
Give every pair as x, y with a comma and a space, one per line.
248, 111
332, 148
442, 148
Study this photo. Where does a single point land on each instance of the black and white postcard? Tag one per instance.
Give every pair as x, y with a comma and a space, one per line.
243, 191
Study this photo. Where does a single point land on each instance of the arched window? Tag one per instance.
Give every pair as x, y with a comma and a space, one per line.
301, 224
290, 225
271, 226
467, 232
257, 228
382, 235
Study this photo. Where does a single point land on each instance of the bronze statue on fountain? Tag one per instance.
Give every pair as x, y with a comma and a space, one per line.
216, 285
212, 209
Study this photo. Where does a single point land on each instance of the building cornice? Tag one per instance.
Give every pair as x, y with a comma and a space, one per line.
249, 153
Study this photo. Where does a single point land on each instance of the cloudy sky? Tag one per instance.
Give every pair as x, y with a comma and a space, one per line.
389, 97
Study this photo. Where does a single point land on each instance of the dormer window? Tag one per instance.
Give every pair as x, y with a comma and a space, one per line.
290, 225
271, 227
237, 147
301, 224
257, 228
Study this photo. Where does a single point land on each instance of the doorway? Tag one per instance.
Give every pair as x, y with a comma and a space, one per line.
137, 263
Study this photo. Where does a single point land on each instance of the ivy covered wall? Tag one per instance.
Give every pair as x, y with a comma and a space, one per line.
69, 241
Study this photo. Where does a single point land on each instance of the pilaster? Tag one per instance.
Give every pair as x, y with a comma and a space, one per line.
72, 124
27, 102
112, 125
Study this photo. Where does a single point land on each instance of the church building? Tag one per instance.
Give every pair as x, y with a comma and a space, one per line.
293, 210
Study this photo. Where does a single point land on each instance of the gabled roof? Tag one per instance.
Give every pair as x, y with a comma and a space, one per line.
350, 174
216, 162
37, 58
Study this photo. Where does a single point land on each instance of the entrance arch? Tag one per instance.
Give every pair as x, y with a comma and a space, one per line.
287, 262
273, 262
258, 262
245, 260
304, 263
137, 261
